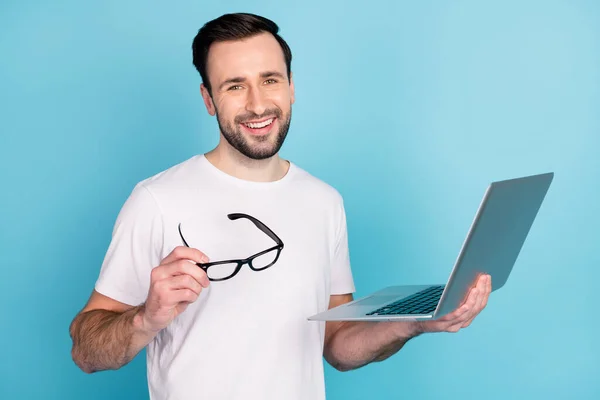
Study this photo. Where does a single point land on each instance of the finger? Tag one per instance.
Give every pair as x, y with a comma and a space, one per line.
480, 303
469, 320
467, 323
461, 313
483, 278
453, 321
481, 300
454, 328
477, 285
165, 293
472, 299
479, 291
455, 315
180, 267
483, 282
488, 290
185, 281
470, 307
467, 295
182, 296
185, 253
486, 293
184, 267
467, 317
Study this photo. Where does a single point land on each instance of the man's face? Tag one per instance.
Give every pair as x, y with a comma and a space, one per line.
251, 94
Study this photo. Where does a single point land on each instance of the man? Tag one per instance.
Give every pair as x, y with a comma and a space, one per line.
179, 278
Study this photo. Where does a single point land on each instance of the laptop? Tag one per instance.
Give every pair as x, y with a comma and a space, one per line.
492, 245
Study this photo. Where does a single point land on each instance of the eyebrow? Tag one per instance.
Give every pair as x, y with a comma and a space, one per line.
269, 74
239, 79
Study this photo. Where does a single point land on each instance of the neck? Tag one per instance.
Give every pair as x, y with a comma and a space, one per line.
232, 162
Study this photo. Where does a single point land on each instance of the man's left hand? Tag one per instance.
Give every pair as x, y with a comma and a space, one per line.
462, 317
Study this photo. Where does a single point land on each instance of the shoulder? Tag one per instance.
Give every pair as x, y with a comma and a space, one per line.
173, 180
319, 189
147, 193
176, 175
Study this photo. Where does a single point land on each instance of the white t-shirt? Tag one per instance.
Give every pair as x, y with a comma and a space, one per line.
247, 337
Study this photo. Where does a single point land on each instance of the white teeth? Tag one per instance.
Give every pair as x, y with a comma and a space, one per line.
260, 125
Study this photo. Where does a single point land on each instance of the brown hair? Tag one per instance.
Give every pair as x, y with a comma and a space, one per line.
233, 27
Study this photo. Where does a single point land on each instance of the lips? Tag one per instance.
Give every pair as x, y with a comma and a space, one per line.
260, 124
260, 127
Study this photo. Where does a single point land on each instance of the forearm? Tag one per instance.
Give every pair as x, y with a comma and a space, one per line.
105, 339
356, 344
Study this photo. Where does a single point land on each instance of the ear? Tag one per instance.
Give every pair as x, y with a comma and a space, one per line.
210, 107
292, 91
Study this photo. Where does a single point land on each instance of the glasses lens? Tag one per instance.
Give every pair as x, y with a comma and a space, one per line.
221, 271
265, 260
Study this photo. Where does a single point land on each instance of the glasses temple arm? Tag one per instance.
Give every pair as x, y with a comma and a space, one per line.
259, 225
182, 238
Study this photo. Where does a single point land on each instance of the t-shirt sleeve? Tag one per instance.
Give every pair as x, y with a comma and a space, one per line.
134, 249
342, 281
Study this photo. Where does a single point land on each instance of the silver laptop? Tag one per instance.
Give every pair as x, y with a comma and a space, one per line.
492, 246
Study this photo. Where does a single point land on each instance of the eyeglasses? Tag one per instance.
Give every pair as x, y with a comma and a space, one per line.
227, 269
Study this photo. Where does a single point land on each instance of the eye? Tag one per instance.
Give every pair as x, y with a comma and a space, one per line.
234, 87
271, 80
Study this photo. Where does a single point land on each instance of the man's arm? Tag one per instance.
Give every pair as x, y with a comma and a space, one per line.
108, 334
353, 344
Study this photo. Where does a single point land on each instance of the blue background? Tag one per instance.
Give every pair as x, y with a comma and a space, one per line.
408, 108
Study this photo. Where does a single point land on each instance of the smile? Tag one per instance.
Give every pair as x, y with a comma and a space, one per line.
259, 125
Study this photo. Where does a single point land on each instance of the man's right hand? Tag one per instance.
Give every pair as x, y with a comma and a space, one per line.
174, 284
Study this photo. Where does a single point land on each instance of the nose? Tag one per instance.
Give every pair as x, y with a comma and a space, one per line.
256, 102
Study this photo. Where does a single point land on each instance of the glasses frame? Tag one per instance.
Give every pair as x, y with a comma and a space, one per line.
240, 262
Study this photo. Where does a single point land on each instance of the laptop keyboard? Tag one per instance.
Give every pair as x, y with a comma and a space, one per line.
423, 302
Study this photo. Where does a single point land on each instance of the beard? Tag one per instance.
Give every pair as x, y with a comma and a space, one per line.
256, 147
